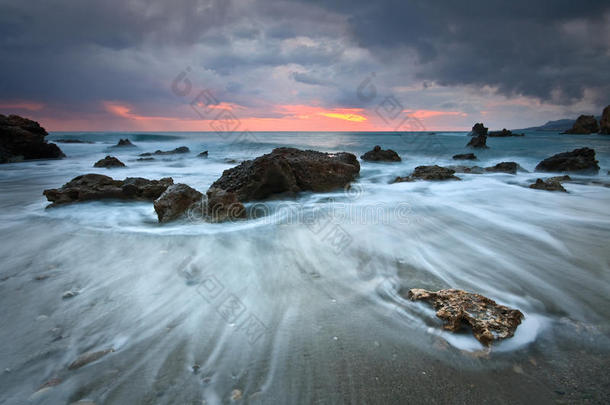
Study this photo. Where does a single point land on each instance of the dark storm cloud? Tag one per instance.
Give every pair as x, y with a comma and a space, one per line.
552, 50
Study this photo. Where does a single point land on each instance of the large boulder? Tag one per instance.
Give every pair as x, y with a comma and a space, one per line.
222, 205
479, 129
380, 155
433, 173
109, 162
548, 185
504, 133
289, 170
503, 167
585, 124
178, 150
604, 122
175, 201
479, 142
578, 160
488, 320
465, 156
98, 187
23, 139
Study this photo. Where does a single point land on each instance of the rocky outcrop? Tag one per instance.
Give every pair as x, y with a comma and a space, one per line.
504, 133
109, 162
178, 150
548, 185
124, 143
489, 321
380, 155
604, 122
585, 124
98, 187
23, 139
479, 129
467, 169
289, 170
465, 156
203, 154
175, 201
578, 160
503, 167
434, 173
223, 206
478, 142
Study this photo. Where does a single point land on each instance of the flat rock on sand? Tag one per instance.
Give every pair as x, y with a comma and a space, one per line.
289, 170
489, 321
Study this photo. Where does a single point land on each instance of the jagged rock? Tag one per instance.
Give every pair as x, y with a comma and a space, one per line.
504, 133
503, 167
548, 185
223, 206
123, 143
380, 155
434, 173
203, 154
109, 162
479, 142
585, 124
578, 160
87, 358
489, 321
178, 150
97, 187
479, 129
289, 170
175, 201
23, 139
604, 122
465, 156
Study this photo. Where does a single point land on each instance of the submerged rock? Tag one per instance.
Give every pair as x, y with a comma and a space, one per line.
175, 201
504, 133
124, 143
178, 150
289, 170
97, 187
585, 124
489, 321
465, 156
503, 167
23, 139
578, 160
560, 178
87, 358
434, 173
548, 185
380, 155
109, 162
604, 122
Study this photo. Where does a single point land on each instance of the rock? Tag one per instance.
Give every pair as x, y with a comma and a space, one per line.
478, 129
379, 155
181, 149
87, 358
223, 206
289, 170
479, 142
467, 169
72, 141
548, 185
585, 124
604, 122
503, 167
578, 160
124, 143
504, 133
175, 201
69, 294
109, 162
560, 178
145, 159
465, 156
429, 173
23, 139
203, 154
488, 320
97, 187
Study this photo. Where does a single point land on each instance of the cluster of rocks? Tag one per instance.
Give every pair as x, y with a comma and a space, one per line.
380, 155
587, 124
24, 139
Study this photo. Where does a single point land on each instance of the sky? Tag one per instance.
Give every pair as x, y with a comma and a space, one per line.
266, 65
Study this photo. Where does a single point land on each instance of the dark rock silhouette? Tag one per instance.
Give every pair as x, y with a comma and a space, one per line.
203, 154
503, 167
478, 129
504, 133
109, 162
548, 185
585, 124
604, 122
124, 143
479, 142
578, 160
465, 156
434, 173
380, 155
178, 150
23, 139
